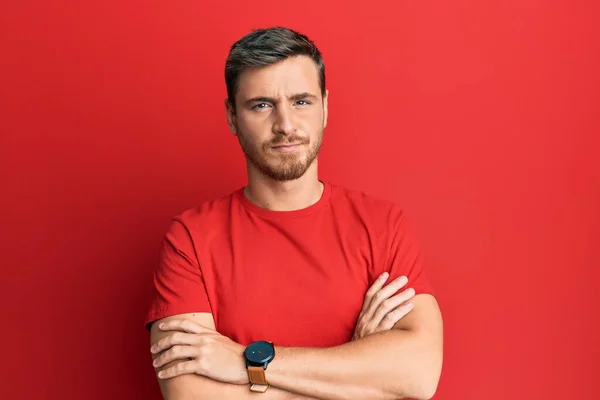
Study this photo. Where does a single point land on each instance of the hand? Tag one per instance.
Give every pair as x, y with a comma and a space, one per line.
202, 351
380, 312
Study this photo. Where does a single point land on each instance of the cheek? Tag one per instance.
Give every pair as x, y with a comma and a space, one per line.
316, 115
313, 122
255, 127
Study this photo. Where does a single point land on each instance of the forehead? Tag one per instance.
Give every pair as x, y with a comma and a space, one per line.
290, 76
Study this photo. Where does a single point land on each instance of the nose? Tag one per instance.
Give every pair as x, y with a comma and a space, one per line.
284, 123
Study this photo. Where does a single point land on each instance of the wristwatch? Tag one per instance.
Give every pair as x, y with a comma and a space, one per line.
258, 355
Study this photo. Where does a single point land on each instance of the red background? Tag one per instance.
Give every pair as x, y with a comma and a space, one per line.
480, 118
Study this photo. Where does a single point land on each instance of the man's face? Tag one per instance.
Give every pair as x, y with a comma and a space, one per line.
280, 117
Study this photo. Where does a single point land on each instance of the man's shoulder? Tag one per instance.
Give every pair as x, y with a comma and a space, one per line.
207, 212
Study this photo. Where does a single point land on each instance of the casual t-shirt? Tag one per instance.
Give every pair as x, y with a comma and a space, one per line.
297, 278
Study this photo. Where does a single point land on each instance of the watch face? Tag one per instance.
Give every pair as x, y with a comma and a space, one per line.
259, 353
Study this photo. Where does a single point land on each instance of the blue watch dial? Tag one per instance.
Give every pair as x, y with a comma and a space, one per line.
259, 353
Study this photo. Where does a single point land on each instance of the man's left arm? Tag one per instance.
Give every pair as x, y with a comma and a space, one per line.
404, 362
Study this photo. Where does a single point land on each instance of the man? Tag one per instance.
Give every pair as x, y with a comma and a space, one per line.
286, 288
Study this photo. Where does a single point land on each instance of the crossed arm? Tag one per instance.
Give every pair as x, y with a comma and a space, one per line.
403, 362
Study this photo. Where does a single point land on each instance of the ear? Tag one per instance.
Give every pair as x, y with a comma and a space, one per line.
325, 110
231, 121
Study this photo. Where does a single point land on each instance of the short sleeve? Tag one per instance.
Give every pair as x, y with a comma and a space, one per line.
403, 255
178, 286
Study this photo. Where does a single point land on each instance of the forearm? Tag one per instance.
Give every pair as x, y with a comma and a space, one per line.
197, 387
390, 365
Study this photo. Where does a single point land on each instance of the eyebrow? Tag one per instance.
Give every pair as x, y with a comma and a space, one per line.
296, 97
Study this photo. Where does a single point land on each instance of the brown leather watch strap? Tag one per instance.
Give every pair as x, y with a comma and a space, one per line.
258, 380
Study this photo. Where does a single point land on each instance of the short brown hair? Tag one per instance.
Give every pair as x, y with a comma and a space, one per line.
264, 47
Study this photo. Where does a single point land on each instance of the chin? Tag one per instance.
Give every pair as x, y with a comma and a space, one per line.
287, 174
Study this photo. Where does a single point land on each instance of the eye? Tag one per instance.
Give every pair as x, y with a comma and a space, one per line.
260, 106
303, 102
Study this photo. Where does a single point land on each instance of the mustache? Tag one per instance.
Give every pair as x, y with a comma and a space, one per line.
281, 140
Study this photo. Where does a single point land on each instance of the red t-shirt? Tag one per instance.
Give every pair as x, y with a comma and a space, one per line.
297, 278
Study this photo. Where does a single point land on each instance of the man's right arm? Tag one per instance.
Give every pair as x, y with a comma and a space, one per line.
197, 387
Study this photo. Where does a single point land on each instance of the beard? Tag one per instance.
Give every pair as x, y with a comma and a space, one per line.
281, 166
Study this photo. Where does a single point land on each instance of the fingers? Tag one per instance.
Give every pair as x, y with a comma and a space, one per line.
375, 287
393, 308
183, 325
394, 316
379, 303
175, 353
188, 367
384, 294
173, 339
390, 304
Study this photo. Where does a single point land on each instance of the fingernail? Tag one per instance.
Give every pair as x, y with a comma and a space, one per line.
403, 279
161, 374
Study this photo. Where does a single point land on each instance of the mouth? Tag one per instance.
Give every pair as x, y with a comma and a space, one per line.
286, 148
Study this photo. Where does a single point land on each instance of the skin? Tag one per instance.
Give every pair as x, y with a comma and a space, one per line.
381, 309
176, 341
278, 180
396, 351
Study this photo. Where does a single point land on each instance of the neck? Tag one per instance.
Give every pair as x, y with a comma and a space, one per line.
275, 195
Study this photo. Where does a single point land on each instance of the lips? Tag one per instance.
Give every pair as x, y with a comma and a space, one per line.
286, 148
